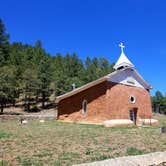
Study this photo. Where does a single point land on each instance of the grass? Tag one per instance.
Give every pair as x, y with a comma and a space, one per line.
5, 135
134, 151
57, 143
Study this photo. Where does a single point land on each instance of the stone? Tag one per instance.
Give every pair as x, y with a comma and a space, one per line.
163, 129
151, 159
118, 122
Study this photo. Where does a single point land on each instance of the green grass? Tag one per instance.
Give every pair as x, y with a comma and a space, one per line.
4, 163
5, 135
57, 143
161, 118
134, 151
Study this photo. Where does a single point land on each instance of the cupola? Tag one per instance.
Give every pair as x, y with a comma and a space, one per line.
123, 61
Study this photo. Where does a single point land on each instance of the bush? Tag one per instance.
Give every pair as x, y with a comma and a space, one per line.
34, 109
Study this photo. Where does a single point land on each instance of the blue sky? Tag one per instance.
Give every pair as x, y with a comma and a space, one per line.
95, 28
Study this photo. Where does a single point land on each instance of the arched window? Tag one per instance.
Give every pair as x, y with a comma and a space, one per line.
84, 106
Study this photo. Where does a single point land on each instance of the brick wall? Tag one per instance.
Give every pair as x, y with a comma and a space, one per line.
105, 101
119, 104
71, 108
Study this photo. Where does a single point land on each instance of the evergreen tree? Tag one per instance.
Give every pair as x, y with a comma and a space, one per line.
159, 102
31, 72
30, 84
7, 85
4, 44
96, 68
44, 74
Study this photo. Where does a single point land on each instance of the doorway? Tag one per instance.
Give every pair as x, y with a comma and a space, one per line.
133, 115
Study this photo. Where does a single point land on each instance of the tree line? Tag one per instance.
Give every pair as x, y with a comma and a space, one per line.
29, 75
159, 103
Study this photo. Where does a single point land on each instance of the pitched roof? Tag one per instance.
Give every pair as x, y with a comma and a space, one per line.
98, 81
123, 61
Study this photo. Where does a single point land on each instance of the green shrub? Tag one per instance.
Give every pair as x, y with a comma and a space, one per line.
89, 151
34, 109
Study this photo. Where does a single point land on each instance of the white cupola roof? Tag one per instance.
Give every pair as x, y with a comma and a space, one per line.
123, 61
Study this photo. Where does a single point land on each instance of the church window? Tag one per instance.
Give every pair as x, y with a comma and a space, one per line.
84, 106
132, 116
132, 99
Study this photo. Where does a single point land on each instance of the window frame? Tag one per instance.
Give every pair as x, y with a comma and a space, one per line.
132, 99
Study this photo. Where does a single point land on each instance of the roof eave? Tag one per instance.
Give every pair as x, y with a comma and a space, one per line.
80, 89
145, 82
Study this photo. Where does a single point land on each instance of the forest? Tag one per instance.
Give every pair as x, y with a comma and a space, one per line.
29, 74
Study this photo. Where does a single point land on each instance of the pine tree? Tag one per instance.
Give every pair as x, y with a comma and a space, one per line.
7, 85
4, 44
44, 72
30, 84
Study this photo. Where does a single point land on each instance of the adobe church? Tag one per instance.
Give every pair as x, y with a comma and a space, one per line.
120, 98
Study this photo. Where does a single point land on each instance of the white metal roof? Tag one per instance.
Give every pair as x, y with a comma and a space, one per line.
123, 61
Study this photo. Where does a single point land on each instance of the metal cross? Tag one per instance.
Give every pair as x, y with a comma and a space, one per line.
121, 46
73, 86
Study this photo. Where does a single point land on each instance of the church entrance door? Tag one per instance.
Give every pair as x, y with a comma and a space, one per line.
133, 115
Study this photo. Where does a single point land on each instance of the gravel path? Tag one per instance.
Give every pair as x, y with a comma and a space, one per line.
151, 159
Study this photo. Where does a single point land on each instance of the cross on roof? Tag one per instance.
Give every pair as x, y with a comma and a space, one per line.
121, 46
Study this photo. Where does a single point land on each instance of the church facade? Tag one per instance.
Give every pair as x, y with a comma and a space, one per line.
117, 99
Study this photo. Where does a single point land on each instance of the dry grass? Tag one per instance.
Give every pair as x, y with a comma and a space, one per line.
60, 143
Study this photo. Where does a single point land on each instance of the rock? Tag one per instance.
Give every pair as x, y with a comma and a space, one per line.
151, 159
118, 122
163, 129
41, 121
